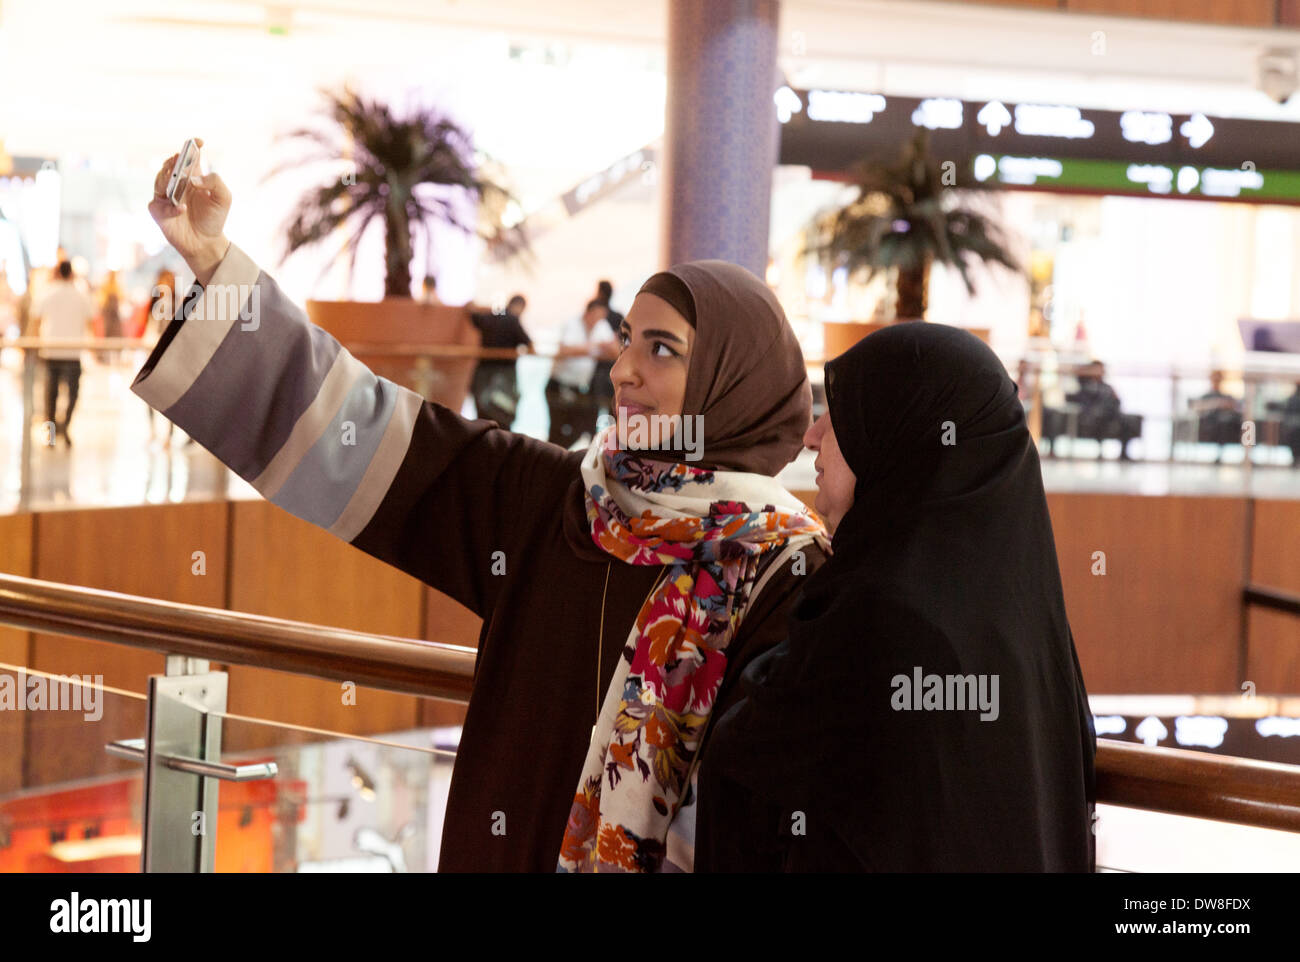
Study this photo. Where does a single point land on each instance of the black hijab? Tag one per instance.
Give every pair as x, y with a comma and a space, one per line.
946, 563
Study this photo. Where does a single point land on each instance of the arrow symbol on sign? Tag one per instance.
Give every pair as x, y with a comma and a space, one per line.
994, 117
787, 104
1198, 130
1150, 730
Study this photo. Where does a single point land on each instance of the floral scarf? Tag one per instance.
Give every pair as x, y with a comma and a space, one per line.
711, 528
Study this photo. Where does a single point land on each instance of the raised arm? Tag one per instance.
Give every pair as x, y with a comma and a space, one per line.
278, 400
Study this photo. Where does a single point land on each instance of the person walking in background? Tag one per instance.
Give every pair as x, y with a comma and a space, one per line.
158, 314
38, 282
64, 312
110, 312
605, 294
602, 388
429, 292
496, 383
8, 300
569, 396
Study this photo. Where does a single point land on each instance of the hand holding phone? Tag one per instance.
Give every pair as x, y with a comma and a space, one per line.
185, 166
191, 210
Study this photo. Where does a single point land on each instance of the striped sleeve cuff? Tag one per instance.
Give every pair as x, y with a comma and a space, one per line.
280, 402
211, 315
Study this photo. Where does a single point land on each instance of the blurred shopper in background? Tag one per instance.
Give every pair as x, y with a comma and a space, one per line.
8, 301
605, 294
63, 312
38, 282
496, 381
1218, 415
1097, 413
1290, 433
569, 396
429, 291
110, 312
1097, 400
602, 388
158, 314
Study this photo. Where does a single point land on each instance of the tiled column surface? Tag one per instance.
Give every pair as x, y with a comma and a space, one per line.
721, 130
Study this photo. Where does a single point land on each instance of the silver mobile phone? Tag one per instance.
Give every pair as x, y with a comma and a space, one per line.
181, 170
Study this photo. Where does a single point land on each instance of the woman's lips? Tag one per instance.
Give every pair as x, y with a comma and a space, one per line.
630, 410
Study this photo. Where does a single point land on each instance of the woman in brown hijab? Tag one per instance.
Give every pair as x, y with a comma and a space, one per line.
580, 741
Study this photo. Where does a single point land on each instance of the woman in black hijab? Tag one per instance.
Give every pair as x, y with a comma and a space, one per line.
845, 754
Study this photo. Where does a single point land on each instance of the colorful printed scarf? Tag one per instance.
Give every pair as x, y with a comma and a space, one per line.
704, 525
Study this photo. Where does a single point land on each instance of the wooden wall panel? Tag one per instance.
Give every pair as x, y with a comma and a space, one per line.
1275, 555
139, 550
1273, 662
1242, 13
1036, 4
16, 532
288, 568
1165, 617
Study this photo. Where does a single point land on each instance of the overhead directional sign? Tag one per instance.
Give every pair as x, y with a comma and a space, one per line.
1149, 151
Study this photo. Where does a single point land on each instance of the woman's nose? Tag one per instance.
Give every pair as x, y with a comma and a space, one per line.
812, 437
624, 371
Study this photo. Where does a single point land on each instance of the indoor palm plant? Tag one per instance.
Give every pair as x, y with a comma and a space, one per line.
382, 159
383, 168
907, 216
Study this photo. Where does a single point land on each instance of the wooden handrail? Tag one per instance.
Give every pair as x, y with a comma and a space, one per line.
408, 665
1242, 790
1170, 780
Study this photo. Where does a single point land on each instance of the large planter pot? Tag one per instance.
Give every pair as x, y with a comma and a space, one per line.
367, 328
839, 336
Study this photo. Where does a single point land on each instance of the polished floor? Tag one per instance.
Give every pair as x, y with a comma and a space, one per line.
114, 460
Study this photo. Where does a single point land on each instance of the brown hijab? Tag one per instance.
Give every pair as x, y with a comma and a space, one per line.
745, 376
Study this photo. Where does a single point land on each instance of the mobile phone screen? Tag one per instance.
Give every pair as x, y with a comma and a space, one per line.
180, 177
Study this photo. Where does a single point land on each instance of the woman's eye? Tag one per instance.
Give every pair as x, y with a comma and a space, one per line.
623, 339
671, 352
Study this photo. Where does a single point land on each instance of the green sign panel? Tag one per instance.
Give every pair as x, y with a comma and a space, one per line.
1243, 183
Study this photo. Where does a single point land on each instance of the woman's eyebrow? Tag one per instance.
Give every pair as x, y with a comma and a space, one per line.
657, 332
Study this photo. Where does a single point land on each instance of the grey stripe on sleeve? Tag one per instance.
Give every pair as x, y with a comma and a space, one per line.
378, 479
330, 472
260, 381
281, 403
209, 320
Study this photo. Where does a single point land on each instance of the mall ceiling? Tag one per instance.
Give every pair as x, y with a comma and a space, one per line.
969, 49
107, 64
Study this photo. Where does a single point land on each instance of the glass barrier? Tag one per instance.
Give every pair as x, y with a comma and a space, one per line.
67, 804
1161, 414
337, 803
1135, 840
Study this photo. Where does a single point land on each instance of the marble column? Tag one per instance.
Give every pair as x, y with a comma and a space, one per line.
721, 131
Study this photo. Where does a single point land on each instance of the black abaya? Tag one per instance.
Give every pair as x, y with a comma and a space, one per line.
945, 565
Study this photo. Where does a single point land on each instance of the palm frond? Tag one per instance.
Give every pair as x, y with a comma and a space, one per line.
904, 216
382, 159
